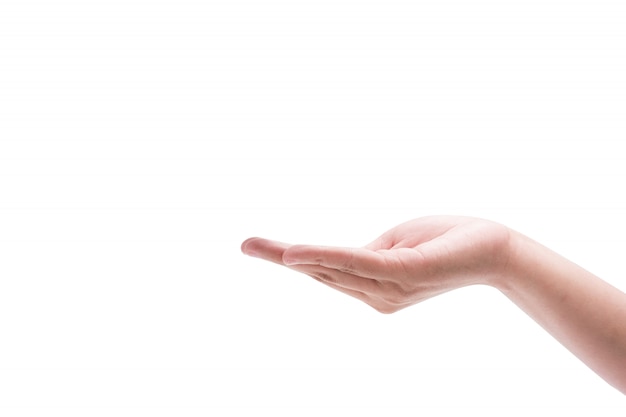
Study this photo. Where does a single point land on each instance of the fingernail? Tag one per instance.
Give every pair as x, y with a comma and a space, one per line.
245, 248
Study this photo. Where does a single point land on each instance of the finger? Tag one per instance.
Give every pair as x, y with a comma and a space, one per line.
356, 261
270, 250
330, 279
339, 279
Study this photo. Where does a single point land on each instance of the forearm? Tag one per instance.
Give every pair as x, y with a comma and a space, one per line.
584, 313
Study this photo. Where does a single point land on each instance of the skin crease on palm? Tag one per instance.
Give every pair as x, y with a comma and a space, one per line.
429, 256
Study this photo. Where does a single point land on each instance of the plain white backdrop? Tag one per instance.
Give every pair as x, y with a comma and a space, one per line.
141, 142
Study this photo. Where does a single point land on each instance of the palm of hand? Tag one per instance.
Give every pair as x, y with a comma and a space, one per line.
409, 263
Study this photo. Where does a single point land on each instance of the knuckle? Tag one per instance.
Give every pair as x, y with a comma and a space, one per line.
348, 265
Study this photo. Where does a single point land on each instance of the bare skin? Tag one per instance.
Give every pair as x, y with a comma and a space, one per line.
426, 257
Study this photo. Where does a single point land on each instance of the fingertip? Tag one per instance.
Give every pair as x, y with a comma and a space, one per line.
270, 250
245, 249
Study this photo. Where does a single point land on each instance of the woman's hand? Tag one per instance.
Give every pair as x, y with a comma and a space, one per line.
409, 263
429, 256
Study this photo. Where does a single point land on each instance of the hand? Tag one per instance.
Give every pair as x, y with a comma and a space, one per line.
429, 256
408, 264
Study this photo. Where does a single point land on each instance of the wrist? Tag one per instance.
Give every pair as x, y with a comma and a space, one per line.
527, 262
509, 262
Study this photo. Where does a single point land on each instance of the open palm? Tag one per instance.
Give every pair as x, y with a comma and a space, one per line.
413, 261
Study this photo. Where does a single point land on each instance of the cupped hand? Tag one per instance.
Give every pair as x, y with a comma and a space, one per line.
412, 262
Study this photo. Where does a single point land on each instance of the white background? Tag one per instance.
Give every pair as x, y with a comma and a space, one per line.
141, 142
